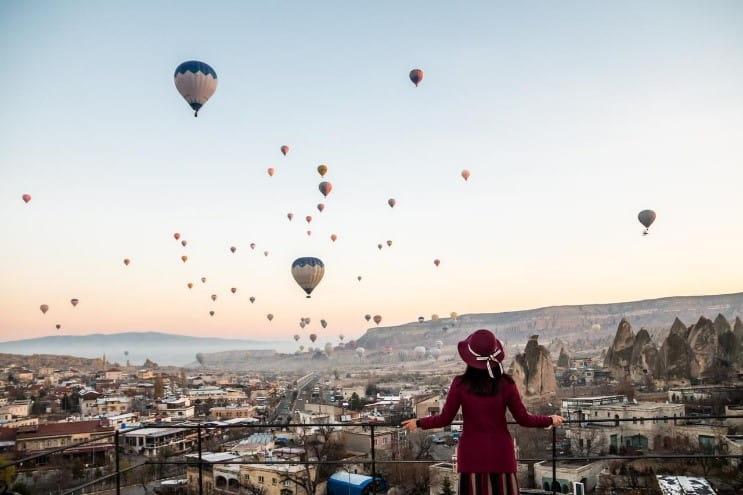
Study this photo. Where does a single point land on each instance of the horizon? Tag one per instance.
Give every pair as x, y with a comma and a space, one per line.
571, 119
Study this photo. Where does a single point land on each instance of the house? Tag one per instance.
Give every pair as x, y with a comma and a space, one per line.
277, 479
153, 441
567, 473
176, 408
40, 438
207, 473
357, 439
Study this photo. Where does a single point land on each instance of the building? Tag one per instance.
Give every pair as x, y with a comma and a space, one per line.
438, 472
255, 443
154, 441
567, 473
357, 439
176, 408
37, 439
277, 479
232, 412
734, 445
207, 472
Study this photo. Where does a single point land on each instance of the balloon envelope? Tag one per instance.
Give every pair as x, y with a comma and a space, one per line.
296, 336
214, 297
44, 308
322, 170
203, 280
333, 237
184, 242
271, 171
320, 207
184, 258
436, 262
196, 82
26, 198
233, 249
269, 316
177, 236
416, 76
308, 272
324, 323
284, 150
392, 202
189, 285
367, 317
211, 313
74, 301
313, 337
290, 216
646, 218
127, 261
252, 299
465, 174
377, 319
58, 326
233, 290
325, 188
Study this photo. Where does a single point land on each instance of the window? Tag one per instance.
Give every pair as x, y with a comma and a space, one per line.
285, 483
273, 481
260, 479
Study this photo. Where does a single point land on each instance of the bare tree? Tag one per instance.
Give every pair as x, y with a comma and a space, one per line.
321, 445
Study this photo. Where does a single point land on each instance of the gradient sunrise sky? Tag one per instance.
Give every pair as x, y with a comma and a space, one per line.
572, 117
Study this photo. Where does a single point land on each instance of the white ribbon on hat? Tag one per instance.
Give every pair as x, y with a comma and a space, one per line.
488, 359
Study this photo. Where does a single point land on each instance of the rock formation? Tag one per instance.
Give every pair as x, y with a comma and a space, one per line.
533, 370
702, 340
631, 355
644, 356
619, 355
564, 360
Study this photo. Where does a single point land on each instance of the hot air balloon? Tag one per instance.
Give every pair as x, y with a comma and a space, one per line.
360, 351
416, 76
596, 327
269, 316
252, 299
271, 171
325, 188
177, 236
308, 219
358, 278
284, 150
74, 301
58, 326
233, 290
320, 207
265, 253
313, 337
392, 202
296, 337
377, 319
301, 347
302, 324
126, 353
646, 218
434, 317
184, 242
26, 198
340, 337
437, 262
367, 317
379, 246
420, 352
184, 258
307, 320
290, 216
322, 170
196, 82
421, 319
324, 323
328, 348
252, 245
190, 285
211, 313
333, 237
233, 249
389, 243
308, 272
453, 315
309, 232
203, 280
465, 174
214, 297
127, 261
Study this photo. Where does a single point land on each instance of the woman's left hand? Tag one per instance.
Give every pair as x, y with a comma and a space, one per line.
409, 424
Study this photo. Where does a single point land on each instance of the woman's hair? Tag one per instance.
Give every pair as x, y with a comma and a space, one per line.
479, 382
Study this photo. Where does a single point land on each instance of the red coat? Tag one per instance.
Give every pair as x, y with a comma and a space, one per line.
485, 445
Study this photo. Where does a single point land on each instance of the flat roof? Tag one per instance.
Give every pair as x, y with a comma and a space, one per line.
684, 485
155, 432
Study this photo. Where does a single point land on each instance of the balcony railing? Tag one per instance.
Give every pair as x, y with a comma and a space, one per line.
203, 432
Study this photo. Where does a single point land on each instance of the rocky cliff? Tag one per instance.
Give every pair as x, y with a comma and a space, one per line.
533, 370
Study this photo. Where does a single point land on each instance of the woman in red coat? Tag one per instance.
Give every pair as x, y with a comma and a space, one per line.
485, 455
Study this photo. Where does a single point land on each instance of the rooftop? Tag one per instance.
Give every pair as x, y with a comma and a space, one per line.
684, 485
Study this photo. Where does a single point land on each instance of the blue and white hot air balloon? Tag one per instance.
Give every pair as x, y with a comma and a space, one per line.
308, 272
196, 82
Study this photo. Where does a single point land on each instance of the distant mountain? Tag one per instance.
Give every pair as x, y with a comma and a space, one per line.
515, 327
163, 348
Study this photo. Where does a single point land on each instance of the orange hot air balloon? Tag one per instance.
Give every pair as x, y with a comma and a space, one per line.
392, 202
184, 258
284, 150
309, 232
290, 216
127, 261
416, 76
308, 218
313, 337
211, 313
203, 280
184, 242
190, 285
437, 262
74, 302
58, 326
233, 249
265, 253
214, 297
271, 171
322, 170
44, 308
465, 174
233, 290
177, 236
379, 246
333, 237
252, 299
320, 207
325, 188
377, 319
26, 198
389, 243
269, 316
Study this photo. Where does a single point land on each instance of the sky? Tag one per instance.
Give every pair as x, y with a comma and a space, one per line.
571, 116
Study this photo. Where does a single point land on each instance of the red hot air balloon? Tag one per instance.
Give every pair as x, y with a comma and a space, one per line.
284, 150
465, 174
308, 218
333, 237
74, 301
392, 202
377, 319
177, 236
233, 290
271, 171
26, 198
127, 261
437, 262
233, 249
320, 207
416, 76
325, 188
290, 216
313, 337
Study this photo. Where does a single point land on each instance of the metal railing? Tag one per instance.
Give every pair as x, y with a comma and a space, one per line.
203, 428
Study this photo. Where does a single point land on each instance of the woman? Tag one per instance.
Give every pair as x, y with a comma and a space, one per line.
485, 456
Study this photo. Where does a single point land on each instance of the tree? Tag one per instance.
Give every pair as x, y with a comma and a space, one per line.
322, 445
8, 474
355, 402
159, 388
446, 487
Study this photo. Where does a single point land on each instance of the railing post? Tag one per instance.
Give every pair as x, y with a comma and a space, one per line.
555, 485
201, 466
116, 461
374, 461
